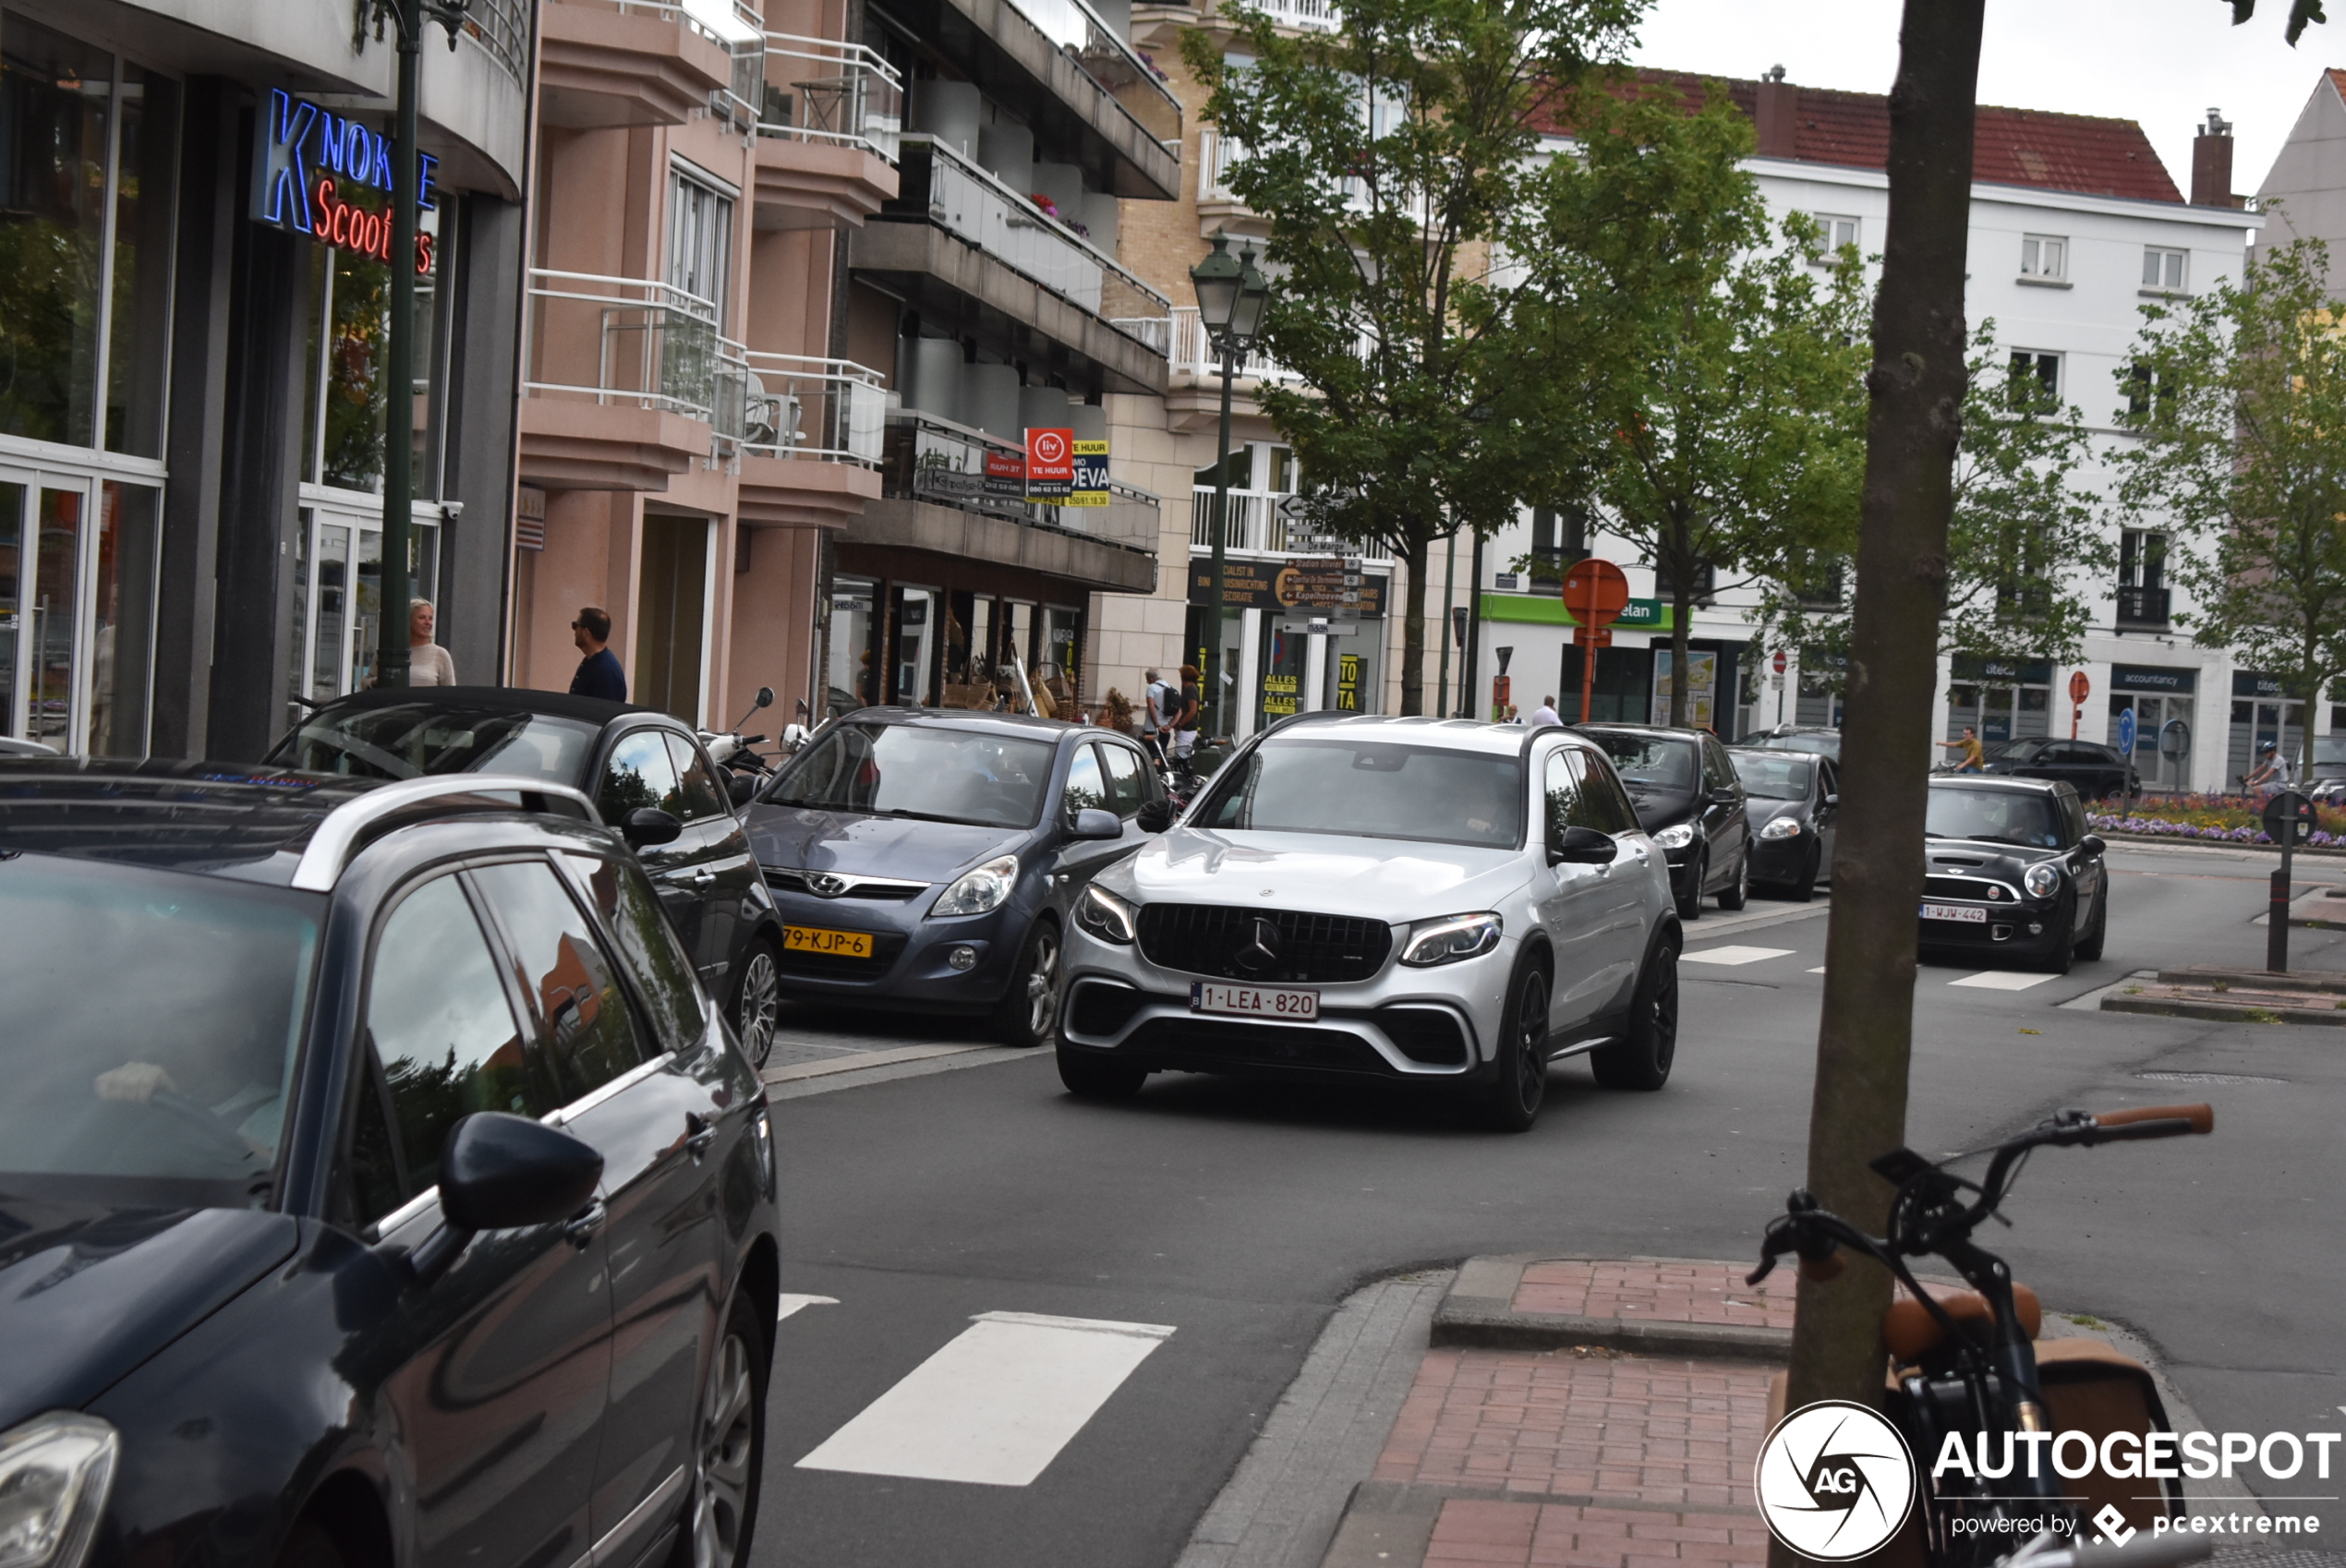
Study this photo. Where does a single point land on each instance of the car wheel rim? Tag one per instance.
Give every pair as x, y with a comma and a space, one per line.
728, 1435
1532, 1041
1664, 1018
761, 1004
1043, 986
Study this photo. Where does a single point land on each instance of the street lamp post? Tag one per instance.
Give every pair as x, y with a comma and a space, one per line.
407, 18
1232, 296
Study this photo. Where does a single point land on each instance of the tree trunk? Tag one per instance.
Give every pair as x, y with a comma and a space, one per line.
1413, 630
1916, 391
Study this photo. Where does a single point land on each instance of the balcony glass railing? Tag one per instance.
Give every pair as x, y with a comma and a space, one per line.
1314, 15
822, 410
971, 203
1126, 75
948, 465
626, 340
817, 90
1255, 526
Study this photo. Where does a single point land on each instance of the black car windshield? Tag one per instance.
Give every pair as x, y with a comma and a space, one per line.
2329, 752
152, 1022
1651, 762
1773, 778
1372, 790
2002, 817
928, 772
405, 740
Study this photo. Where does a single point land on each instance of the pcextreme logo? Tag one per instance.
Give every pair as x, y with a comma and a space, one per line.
1835, 1481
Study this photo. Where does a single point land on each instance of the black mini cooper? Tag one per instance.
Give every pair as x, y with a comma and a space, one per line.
2013, 872
378, 1185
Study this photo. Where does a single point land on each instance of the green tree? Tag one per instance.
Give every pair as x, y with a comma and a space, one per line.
1389, 159
2239, 395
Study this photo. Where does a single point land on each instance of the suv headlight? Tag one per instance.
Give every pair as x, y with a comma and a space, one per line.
1677, 836
55, 1473
2042, 880
1781, 827
1452, 938
974, 893
1104, 915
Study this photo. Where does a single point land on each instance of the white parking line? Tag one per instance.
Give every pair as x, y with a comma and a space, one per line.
798, 1303
1734, 955
2001, 979
1818, 970
995, 1405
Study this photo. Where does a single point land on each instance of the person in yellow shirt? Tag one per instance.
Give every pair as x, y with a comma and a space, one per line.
1975, 755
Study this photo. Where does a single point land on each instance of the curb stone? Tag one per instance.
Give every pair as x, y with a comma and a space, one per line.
1477, 1314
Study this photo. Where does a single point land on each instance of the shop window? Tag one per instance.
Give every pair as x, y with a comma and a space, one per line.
1058, 661
913, 658
853, 682
349, 348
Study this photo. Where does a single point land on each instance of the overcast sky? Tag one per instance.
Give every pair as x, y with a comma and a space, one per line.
2163, 62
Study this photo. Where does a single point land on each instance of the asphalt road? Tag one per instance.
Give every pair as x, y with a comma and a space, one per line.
1237, 1216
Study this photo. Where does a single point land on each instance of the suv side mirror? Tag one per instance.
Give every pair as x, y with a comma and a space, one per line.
501, 1173
1583, 846
1154, 816
1094, 823
648, 826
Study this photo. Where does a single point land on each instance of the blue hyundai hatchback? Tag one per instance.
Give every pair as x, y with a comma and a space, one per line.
924, 859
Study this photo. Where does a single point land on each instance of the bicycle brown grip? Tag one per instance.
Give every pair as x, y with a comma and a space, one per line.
1819, 1269
2201, 1117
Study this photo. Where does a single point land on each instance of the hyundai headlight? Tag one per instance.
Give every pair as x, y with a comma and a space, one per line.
1781, 827
1677, 836
974, 893
55, 1473
1447, 940
2043, 880
1104, 915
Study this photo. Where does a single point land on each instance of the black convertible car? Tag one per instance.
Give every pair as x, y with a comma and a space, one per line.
2013, 871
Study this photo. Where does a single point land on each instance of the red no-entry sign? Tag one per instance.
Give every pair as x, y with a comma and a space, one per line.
1596, 592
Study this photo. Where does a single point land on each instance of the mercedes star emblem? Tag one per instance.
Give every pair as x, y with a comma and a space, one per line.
1261, 955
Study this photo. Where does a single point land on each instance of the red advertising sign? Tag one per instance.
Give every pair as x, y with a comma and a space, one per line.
1050, 464
1005, 473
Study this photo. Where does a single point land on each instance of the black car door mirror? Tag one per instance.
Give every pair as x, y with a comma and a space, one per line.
1725, 795
1832, 799
648, 826
499, 1171
740, 787
1583, 846
1094, 823
2092, 846
1154, 816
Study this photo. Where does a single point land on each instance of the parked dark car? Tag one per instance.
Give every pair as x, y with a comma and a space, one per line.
374, 1172
1793, 738
647, 772
1793, 800
1689, 798
925, 859
2097, 772
2013, 871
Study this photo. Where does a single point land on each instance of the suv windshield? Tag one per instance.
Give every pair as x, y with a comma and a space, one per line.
1650, 762
152, 1021
1372, 790
405, 740
913, 770
2002, 817
1775, 778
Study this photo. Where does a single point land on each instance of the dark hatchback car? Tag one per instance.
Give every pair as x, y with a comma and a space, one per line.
1689, 798
2013, 871
646, 773
925, 859
378, 1185
2095, 771
1793, 800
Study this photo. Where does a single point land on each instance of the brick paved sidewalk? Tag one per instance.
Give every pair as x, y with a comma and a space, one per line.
1579, 1456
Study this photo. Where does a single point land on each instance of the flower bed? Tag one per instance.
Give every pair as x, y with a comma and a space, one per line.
2225, 819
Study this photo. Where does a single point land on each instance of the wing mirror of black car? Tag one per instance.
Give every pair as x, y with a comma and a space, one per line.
1154, 816
1582, 846
1725, 796
740, 787
646, 827
1092, 823
2092, 846
1832, 799
501, 1173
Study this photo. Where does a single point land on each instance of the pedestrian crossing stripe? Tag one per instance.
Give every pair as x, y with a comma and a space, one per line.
1734, 955
2001, 979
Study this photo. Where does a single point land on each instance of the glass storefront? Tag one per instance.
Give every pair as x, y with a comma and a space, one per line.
853, 682
76, 610
2262, 712
337, 600
2002, 699
2161, 701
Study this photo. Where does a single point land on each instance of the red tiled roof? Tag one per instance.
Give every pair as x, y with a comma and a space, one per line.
2025, 147
2337, 79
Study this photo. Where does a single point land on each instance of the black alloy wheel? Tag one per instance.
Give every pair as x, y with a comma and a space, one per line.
1029, 1012
757, 1001
1098, 1078
1689, 898
728, 1448
1641, 1057
1738, 893
1520, 1085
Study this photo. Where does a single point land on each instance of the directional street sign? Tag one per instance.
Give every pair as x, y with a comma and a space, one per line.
2126, 733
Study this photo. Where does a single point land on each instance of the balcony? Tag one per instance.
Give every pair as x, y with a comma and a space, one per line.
627, 385
828, 119
958, 244
2143, 608
605, 63
812, 434
1255, 526
938, 496
1218, 205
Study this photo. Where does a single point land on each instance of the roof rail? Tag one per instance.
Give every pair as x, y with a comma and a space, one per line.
344, 832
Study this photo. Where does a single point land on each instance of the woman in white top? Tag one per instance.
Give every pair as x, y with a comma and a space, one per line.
428, 662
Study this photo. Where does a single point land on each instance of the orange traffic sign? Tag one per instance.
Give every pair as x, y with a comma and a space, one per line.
2079, 687
1596, 592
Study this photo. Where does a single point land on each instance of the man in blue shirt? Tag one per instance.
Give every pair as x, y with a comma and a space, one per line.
599, 673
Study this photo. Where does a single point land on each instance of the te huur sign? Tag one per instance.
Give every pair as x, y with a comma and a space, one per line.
307, 162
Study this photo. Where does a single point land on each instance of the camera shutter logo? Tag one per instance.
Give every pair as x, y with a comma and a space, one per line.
1835, 1481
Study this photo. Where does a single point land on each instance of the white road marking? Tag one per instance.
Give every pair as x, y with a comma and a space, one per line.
797, 1303
995, 1405
1818, 970
1733, 955
2001, 979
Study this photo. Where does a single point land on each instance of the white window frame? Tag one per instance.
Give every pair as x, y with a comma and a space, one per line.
2035, 356
1831, 239
2159, 261
2045, 256
693, 197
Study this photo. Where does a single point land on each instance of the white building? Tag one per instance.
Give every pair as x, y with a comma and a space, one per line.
2074, 224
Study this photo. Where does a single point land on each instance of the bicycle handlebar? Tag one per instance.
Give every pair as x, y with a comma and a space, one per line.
2201, 1118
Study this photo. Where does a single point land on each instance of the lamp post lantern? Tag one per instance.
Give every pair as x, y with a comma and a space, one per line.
407, 18
1232, 296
